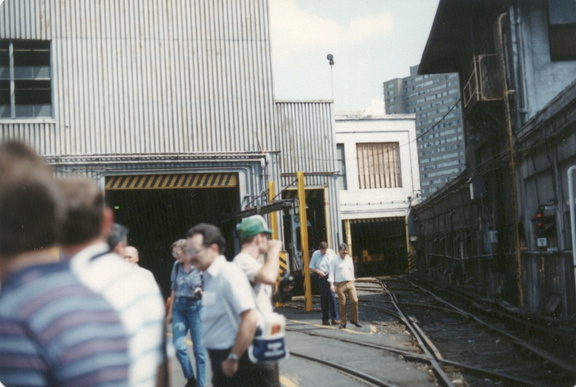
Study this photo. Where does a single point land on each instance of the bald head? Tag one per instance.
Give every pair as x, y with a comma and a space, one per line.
131, 255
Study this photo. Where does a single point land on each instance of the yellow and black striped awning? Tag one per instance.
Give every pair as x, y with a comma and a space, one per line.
173, 181
376, 220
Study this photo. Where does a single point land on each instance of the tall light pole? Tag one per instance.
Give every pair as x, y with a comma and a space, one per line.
330, 58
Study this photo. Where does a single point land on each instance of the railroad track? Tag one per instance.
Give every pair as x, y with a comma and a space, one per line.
461, 346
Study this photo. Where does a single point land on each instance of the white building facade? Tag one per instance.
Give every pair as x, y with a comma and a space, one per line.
378, 161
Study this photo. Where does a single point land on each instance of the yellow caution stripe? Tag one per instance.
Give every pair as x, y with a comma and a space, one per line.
172, 181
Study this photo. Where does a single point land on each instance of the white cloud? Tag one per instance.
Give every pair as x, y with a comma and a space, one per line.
296, 30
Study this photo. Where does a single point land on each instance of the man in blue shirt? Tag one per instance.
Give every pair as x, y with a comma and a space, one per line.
320, 264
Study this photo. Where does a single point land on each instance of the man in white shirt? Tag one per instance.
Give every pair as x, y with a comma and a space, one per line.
262, 274
341, 279
320, 265
229, 317
133, 294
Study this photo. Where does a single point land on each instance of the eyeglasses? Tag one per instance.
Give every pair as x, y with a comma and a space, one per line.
193, 253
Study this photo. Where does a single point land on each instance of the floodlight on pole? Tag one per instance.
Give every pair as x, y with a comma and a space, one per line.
330, 58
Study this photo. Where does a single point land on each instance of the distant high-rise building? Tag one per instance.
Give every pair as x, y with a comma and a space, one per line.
435, 100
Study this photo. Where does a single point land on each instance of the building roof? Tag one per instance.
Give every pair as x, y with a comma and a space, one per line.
450, 32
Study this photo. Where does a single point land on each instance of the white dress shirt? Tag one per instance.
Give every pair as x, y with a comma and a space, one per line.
342, 269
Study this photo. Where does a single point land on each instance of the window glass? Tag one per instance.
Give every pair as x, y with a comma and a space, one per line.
25, 72
379, 165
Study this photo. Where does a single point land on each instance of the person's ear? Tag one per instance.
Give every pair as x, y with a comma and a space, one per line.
107, 222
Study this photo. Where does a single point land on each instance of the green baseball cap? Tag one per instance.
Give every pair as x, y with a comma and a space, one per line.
251, 226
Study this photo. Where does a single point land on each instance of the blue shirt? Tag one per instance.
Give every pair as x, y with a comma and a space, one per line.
184, 283
54, 331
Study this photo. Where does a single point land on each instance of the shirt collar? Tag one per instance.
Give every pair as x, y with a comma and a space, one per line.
214, 269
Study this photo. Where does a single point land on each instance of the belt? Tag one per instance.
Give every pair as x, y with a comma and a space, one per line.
187, 298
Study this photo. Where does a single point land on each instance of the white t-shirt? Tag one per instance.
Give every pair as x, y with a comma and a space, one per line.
263, 292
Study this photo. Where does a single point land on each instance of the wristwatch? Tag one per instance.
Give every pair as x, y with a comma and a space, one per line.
232, 357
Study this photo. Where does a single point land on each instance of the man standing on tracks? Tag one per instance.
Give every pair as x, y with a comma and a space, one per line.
320, 264
341, 279
230, 318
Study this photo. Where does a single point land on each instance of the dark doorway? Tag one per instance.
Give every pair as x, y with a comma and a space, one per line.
379, 247
158, 217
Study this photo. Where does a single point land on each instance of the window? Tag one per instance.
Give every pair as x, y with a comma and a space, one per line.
562, 29
25, 79
341, 161
379, 165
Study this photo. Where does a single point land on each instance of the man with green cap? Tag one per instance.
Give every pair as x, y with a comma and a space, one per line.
259, 259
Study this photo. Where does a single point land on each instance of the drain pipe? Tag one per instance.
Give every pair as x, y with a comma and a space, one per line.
572, 220
512, 164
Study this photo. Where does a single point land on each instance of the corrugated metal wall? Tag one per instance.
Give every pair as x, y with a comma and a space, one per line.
148, 76
307, 139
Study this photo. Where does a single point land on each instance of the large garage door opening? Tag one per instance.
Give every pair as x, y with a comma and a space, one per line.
379, 246
158, 213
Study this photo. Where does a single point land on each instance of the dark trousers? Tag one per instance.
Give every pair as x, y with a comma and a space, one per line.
327, 300
249, 374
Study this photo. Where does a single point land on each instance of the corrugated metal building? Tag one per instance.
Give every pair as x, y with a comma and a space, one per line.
168, 105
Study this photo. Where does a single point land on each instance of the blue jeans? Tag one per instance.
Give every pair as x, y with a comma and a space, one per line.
327, 300
186, 316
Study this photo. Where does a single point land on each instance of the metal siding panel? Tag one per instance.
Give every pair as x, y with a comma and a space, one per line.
24, 19
148, 76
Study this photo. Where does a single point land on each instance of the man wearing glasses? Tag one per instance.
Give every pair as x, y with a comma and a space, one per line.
229, 317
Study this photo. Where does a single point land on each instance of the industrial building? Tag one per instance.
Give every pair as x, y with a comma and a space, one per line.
169, 106
435, 101
379, 183
505, 228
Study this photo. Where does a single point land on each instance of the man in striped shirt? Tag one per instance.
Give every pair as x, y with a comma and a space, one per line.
54, 331
133, 293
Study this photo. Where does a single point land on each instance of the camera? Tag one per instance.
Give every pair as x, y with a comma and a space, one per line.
197, 293
285, 288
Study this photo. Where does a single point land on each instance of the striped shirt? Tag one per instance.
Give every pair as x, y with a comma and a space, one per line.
136, 297
54, 331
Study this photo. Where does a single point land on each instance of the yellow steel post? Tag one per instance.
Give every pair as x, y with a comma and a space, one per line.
273, 217
348, 236
304, 239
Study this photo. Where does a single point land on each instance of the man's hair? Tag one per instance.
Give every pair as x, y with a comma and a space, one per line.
211, 234
118, 234
180, 243
247, 240
342, 246
323, 246
84, 210
31, 206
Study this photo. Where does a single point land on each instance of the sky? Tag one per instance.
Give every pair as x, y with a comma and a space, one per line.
371, 41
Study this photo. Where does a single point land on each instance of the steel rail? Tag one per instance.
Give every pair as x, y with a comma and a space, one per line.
423, 342
360, 375
518, 341
460, 365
